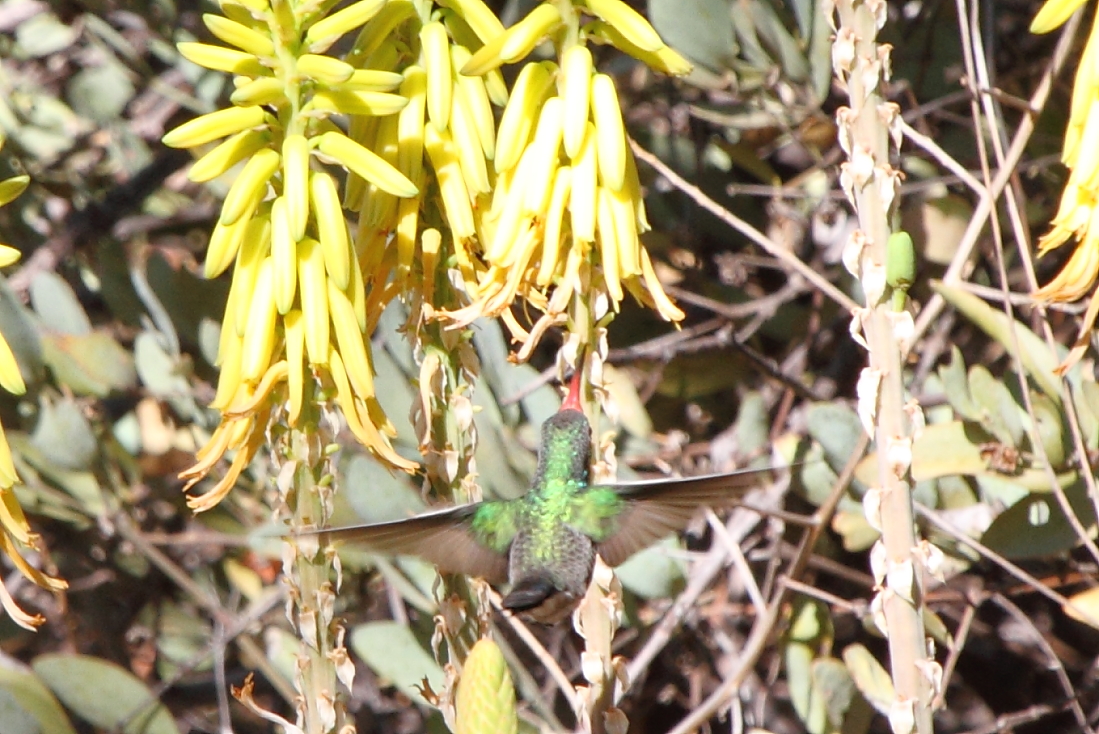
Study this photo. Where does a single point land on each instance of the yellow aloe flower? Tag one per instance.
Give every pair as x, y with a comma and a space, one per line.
299, 313
1053, 14
1076, 219
15, 532
561, 225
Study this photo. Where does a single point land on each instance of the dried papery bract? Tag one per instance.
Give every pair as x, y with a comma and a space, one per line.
868, 134
596, 620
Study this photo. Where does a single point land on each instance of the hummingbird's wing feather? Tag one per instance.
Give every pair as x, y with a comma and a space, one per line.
656, 508
445, 538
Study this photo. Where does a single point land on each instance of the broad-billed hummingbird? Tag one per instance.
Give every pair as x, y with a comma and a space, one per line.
544, 543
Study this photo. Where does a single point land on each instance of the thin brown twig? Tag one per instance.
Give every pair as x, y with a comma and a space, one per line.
527, 686
701, 575
858, 607
789, 259
1034, 583
1053, 662
977, 67
933, 149
1011, 722
1011, 159
540, 652
764, 626
211, 604
961, 635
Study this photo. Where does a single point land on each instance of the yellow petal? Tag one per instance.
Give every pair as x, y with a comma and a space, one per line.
1053, 14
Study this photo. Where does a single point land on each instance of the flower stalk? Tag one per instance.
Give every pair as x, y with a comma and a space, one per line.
870, 136
323, 673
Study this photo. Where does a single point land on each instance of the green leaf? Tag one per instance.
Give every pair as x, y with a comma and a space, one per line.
21, 333
15, 718
395, 395
57, 305
181, 636
499, 456
1036, 527
782, 45
955, 381
50, 128
1086, 399
752, 429
101, 93
946, 449
160, 373
42, 35
20, 682
376, 494
1036, 358
701, 30
852, 526
81, 485
188, 298
955, 493
870, 677
819, 53
1049, 428
999, 411
833, 685
837, 429
492, 350
1000, 491
394, 653
104, 694
654, 573
94, 364
816, 478
798, 658
64, 436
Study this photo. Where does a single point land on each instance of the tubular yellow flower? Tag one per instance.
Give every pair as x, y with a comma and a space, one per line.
1053, 14
15, 531
282, 223
1076, 219
562, 230
1077, 276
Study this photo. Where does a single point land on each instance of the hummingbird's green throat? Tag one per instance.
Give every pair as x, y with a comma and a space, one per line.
544, 543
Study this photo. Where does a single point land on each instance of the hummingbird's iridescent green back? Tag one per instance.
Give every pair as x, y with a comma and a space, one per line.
546, 545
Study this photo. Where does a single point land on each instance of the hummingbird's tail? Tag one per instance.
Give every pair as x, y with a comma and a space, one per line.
529, 593
538, 599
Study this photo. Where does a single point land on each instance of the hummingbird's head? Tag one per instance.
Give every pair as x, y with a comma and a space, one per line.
566, 446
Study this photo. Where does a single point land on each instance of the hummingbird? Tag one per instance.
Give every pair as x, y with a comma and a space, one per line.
544, 543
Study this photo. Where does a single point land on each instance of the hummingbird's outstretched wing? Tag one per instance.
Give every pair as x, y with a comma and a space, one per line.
652, 509
468, 539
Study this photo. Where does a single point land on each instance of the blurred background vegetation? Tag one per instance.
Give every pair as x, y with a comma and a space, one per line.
116, 332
